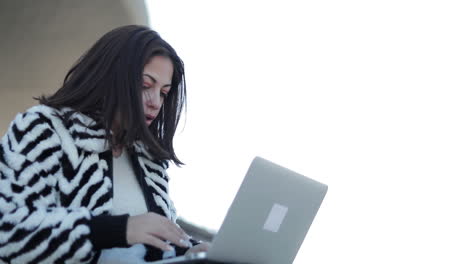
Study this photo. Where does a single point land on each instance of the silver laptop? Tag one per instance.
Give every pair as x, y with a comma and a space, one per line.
268, 219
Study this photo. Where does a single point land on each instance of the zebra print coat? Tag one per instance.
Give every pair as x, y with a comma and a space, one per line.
56, 189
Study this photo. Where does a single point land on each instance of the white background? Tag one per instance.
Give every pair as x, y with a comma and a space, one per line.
369, 97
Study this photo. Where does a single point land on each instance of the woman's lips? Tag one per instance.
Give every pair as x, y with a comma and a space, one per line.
150, 119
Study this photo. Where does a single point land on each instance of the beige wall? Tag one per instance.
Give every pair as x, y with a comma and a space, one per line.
40, 40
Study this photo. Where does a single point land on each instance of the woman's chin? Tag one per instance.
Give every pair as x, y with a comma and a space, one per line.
149, 122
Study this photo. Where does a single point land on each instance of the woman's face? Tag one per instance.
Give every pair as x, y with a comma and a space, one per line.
157, 77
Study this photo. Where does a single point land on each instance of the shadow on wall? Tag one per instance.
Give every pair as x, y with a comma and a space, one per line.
42, 39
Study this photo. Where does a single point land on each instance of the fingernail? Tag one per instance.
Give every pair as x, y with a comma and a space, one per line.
169, 248
186, 243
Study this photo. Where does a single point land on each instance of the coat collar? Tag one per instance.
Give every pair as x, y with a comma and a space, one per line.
86, 134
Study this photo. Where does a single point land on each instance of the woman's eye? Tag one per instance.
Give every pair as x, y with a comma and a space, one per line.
145, 87
163, 95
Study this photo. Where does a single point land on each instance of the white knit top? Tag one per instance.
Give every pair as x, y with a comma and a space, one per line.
128, 199
128, 196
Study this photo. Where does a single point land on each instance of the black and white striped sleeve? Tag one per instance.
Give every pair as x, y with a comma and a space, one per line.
33, 227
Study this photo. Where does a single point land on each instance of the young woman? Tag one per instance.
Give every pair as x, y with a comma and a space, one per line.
83, 174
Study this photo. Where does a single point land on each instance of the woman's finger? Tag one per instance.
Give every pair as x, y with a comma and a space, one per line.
180, 231
203, 247
171, 226
141, 226
156, 242
172, 236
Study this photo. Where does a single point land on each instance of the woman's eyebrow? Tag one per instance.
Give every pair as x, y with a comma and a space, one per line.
154, 79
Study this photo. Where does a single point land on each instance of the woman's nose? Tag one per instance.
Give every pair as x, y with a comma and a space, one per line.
153, 99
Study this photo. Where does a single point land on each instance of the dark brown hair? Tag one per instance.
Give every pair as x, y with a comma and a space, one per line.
106, 84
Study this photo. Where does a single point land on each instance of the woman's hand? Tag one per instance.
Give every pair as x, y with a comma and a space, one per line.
203, 247
153, 229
